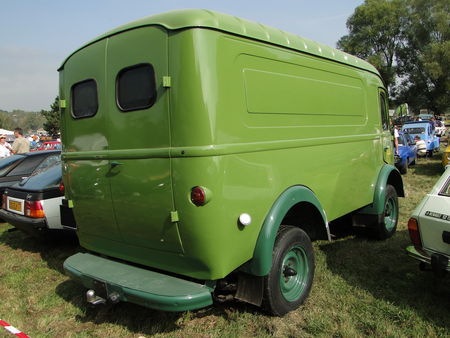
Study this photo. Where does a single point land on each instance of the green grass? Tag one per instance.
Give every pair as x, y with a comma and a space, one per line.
361, 287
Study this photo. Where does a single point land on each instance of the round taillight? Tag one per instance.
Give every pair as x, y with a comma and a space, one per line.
61, 187
198, 196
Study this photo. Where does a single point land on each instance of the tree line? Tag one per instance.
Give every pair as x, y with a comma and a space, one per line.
30, 122
408, 42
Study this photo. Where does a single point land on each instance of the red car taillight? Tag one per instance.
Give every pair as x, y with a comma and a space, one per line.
61, 187
414, 233
34, 209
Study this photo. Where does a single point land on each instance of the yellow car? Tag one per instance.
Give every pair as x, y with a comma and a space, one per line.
446, 157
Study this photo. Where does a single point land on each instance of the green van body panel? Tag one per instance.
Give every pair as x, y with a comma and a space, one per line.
262, 257
251, 113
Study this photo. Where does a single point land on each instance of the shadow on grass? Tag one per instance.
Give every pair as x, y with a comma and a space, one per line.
141, 320
135, 318
428, 167
384, 270
53, 249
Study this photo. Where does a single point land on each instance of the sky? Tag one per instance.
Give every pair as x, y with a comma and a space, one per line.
37, 35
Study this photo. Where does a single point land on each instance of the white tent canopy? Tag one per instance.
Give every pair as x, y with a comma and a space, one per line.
6, 132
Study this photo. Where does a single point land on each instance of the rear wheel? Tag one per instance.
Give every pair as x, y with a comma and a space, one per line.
289, 281
388, 223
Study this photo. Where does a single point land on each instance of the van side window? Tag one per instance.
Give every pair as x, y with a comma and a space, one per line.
136, 87
84, 99
383, 112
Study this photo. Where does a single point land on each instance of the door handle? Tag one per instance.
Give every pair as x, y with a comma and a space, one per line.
115, 164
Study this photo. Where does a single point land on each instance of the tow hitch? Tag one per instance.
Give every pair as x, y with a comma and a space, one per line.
94, 299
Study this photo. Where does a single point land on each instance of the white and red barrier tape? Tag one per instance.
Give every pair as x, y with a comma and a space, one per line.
13, 330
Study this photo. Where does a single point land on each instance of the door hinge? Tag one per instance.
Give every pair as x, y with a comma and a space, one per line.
167, 81
174, 216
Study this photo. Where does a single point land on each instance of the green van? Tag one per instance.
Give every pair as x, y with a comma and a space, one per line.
203, 153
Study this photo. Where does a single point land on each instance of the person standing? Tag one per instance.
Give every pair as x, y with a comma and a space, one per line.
5, 148
21, 144
396, 136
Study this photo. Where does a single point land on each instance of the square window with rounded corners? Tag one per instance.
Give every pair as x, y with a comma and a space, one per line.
136, 87
84, 99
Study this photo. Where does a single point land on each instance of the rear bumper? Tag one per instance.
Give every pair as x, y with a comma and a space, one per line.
137, 285
33, 226
438, 262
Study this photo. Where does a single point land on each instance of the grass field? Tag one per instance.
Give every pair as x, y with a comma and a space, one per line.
361, 287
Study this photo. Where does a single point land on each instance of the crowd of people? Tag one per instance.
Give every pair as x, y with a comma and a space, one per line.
20, 145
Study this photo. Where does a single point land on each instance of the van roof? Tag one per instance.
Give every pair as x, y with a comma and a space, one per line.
192, 18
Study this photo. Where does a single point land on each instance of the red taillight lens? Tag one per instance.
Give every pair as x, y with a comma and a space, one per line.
61, 187
34, 209
198, 196
414, 234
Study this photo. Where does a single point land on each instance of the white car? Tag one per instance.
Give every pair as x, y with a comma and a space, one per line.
429, 228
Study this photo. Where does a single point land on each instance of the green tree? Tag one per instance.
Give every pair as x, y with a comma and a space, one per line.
52, 123
424, 60
375, 34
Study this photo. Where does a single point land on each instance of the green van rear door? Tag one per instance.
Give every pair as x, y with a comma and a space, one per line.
139, 138
83, 83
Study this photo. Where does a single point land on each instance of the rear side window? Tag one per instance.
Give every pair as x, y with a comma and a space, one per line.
84, 99
136, 87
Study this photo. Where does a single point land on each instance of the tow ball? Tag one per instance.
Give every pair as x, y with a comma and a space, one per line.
94, 299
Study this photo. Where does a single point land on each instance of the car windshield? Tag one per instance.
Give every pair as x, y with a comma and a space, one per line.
7, 163
415, 130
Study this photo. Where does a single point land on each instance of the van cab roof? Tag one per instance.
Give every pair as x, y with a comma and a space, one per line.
192, 18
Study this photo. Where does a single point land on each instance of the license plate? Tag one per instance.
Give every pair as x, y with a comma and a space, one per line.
15, 205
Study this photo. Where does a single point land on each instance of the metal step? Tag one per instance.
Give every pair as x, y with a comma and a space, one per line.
123, 282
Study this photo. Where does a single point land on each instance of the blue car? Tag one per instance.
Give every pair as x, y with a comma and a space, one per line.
407, 152
425, 131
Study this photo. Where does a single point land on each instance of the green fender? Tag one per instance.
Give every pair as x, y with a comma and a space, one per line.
388, 175
261, 263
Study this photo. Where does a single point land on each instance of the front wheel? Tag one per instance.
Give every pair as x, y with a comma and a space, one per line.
387, 225
289, 281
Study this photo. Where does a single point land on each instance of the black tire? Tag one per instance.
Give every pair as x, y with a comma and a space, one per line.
387, 225
404, 167
289, 281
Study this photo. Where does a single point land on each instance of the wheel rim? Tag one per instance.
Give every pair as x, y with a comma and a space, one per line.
390, 214
294, 273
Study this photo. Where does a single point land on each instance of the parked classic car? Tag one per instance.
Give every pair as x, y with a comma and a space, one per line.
429, 228
446, 157
33, 205
425, 131
407, 152
17, 167
48, 145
